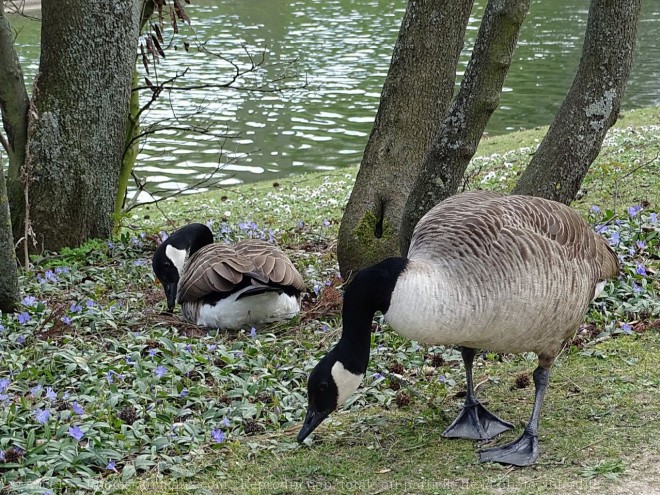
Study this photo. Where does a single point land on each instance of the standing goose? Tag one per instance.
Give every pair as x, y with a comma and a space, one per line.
484, 271
228, 286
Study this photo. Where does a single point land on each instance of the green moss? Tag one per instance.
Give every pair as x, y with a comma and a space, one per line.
367, 248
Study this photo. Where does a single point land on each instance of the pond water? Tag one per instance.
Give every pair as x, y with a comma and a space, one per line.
329, 59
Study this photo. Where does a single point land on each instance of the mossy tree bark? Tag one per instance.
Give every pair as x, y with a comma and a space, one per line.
77, 132
415, 96
8, 266
591, 106
13, 106
462, 128
133, 129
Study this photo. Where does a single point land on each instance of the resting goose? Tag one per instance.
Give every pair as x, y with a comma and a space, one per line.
228, 286
484, 271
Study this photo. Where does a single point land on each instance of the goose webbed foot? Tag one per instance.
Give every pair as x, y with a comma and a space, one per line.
521, 452
477, 423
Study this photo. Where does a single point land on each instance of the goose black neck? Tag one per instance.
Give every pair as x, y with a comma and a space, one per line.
192, 237
370, 291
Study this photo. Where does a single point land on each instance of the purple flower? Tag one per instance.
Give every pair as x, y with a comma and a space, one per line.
218, 435
4, 384
42, 415
75, 308
253, 332
2, 456
29, 301
50, 393
184, 392
66, 320
20, 340
90, 303
50, 276
442, 378
595, 209
61, 269
641, 245
162, 235
614, 238
211, 347
633, 211
160, 372
225, 422
2, 328
636, 288
640, 270
626, 328
77, 408
110, 245
317, 289
76, 433
653, 218
152, 352
23, 318
324, 328
36, 390
109, 376
188, 348
111, 465
377, 376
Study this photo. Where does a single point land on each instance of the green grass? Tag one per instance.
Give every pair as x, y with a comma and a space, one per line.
152, 388
599, 418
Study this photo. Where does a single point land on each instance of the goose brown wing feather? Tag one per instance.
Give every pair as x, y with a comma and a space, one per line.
214, 268
221, 267
271, 263
468, 227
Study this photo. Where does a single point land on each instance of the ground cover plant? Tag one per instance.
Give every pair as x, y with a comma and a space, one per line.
101, 392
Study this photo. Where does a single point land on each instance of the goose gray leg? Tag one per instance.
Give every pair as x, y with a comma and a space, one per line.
525, 450
474, 421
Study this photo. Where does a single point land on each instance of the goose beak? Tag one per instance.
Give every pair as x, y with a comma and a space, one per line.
312, 420
170, 294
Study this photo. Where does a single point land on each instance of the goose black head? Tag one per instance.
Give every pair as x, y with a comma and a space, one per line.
170, 256
328, 386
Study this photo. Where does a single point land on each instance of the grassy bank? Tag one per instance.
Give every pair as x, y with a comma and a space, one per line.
102, 393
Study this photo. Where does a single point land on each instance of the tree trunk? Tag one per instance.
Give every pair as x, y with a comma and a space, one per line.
133, 129
8, 267
77, 134
591, 106
469, 113
13, 106
415, 96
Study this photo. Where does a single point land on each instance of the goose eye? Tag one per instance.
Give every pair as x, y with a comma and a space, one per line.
323, 386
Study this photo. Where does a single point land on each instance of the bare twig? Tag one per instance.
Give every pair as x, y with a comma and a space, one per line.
628, 174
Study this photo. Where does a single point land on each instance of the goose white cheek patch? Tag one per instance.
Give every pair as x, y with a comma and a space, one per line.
176, 256
347, 382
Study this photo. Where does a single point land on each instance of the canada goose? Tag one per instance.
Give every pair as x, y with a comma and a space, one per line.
484, 271
228, 286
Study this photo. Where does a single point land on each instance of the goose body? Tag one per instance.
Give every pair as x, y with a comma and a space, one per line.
484, 271
228, 286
